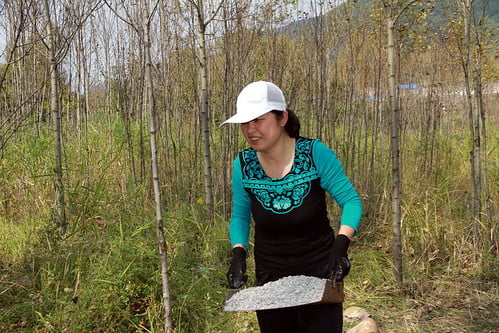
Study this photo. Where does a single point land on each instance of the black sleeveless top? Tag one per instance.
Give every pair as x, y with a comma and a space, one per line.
292, 231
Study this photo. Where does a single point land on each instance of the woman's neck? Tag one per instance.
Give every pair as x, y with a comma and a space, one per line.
278, 162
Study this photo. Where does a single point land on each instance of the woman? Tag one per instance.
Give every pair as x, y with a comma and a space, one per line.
281, 182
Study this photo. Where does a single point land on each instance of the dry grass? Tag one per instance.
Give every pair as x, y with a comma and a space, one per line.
444, 304
451, 283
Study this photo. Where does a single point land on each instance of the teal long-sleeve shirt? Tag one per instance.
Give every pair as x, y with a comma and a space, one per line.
292, 202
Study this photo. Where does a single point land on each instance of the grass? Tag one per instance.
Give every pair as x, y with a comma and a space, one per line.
14, 239
104, 275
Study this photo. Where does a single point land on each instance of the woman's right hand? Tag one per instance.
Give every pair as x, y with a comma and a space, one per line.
236, 275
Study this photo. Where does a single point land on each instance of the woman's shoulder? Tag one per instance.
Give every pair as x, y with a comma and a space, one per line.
304, 140
310, 143
247, 158
320, 149
245, 153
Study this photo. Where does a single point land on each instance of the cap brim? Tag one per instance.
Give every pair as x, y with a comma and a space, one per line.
241, 118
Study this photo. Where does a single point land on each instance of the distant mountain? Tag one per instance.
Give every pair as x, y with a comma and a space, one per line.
481, 8
437, 18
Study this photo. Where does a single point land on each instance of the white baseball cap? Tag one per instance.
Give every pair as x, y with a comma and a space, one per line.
256, 99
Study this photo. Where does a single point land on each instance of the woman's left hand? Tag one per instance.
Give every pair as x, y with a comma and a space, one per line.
338, 259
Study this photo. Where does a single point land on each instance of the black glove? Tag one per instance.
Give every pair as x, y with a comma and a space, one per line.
338, 259
235, 275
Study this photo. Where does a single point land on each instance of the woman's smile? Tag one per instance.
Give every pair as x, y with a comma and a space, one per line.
263, 132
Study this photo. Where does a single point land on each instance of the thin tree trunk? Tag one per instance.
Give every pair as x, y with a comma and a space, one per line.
79, 60
205, 129
395, 151
489, 213
55, 105
86, 88
474, 127
481, 127
162, 246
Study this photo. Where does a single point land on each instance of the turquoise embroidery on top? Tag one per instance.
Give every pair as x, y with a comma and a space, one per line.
284, 194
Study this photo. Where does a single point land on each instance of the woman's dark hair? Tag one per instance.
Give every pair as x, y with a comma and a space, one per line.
292, 126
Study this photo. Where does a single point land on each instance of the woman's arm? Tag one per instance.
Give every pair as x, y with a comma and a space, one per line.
334, 180
240, 222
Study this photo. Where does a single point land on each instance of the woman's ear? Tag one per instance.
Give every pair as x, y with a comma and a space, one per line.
284, 118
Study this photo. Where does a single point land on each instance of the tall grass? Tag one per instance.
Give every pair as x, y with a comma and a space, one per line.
104, 275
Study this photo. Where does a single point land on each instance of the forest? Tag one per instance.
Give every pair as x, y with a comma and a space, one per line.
115, 177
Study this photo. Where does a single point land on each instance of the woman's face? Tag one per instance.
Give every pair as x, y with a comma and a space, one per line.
263, 132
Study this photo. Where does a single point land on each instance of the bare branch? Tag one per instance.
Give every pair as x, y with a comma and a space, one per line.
121, 17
